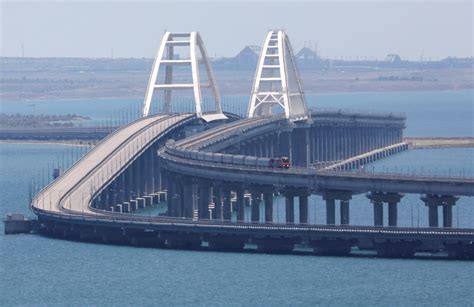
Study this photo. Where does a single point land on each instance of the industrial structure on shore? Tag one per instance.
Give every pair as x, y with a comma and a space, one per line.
210, 165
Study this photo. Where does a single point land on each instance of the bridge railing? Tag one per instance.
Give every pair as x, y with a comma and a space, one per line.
145, 221
402, 173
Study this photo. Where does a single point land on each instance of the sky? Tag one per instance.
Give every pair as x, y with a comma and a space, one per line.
413, 29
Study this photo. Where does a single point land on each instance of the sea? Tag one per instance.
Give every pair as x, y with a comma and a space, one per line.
41, 271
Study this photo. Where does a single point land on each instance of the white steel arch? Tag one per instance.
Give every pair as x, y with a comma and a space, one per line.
277, 81
165, 59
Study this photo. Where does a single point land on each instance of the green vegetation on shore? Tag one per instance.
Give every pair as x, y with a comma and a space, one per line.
41, 120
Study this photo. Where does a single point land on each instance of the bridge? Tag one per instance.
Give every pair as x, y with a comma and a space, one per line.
209, 164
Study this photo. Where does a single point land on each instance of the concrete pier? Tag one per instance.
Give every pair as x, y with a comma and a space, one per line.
141, 202
16, 223
240, 204
201, 177
330, 211
227, 213
268, 200
255, 207
133, 205
392, 199
378, 213
344, 212
303, 202
434, 201
204, 199
290, 207
330, 197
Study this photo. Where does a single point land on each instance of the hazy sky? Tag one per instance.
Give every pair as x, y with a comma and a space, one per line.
341, 28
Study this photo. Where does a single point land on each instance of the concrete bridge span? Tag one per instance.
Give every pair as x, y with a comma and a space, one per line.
73, 190
220, 164
208, 165
96, 199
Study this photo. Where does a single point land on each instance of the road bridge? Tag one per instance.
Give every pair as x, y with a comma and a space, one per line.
207, 165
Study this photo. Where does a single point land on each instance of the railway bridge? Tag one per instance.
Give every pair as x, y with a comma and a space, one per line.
208, 166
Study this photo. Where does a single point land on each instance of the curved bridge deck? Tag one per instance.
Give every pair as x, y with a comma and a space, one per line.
66, 204
71, 193
193, 157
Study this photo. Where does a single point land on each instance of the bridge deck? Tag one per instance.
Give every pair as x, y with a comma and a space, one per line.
72, 191
68, 198
314, 180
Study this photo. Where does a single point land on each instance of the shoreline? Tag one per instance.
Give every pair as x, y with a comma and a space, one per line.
308, 93
439, 142
50, 142
413, 142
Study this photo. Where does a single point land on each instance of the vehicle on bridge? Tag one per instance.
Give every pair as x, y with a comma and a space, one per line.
283, 162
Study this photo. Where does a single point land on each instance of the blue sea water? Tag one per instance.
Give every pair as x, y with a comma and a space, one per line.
434, 113
37, 270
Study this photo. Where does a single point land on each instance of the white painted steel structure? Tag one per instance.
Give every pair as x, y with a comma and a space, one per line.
166, 59
277, 81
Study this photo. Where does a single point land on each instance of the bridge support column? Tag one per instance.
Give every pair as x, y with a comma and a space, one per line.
259, 144
433, 201
290, 207
392, 214
433, 215
195, 201
378, 213
157, 186
148, 161
112, 199
128, 184
169, 197
217, 212
303, 202
255, 211
176, 197
330, 197
121, 188
204, 198
136, 179
276, 144
285, 148
103, 199
344, 212
300, 150
240, 204
312, 146
227, 213
268, 200
447, 216
187, 198
332, 144
266, 145
393, 199
142, 174
317, 141
245, 148
330, 211
378, 199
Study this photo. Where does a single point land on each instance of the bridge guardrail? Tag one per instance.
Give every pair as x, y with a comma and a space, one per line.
395, 175
131, 219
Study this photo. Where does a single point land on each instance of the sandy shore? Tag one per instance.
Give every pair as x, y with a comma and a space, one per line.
51, 142
415, 143
440, 142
